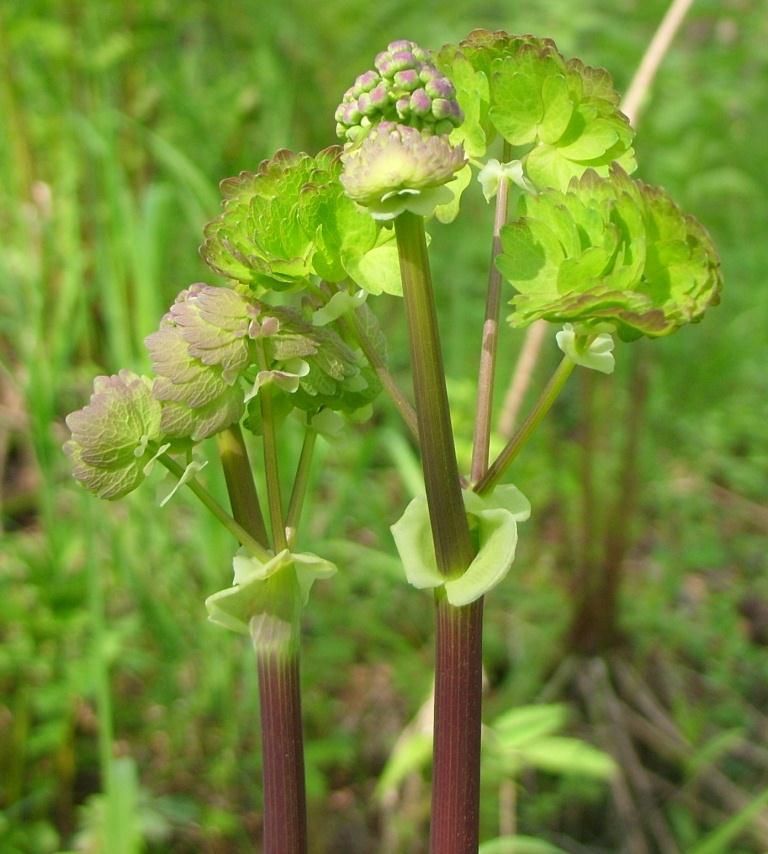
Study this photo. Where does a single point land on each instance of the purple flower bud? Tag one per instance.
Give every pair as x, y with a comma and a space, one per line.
386, 66
440, 87
401, 45
352, 113
365, 82
401, 60
420, 102
365, 105
403, 107
408, 79
427, 73
442, 108
379, 96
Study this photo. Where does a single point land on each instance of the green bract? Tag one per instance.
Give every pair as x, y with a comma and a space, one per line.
396, 168
265, 588
609, 250
493, 518
564, 113
405, 87
202, 347
115, 436
291, 220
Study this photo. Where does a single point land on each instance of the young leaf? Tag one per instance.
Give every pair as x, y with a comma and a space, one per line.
628, 256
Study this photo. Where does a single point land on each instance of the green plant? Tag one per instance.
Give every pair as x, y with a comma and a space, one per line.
303, 241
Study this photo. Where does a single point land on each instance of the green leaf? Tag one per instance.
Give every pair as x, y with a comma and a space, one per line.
377, 270
720, 839
289, 220
563, 755
609, 250
115, 435
277, 588
524, 724
518, 845
523, 88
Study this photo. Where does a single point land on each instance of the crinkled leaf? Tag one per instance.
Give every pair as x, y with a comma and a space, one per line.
629, 257
522, 88
286, 222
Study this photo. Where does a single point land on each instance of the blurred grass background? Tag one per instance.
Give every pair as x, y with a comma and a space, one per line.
117, 119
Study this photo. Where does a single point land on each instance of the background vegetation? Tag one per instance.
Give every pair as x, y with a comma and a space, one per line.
123, 714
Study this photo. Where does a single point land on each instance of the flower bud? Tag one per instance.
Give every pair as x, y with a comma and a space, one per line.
390, 94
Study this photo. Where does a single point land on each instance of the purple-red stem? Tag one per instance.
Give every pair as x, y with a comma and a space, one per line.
458, 700
285, 807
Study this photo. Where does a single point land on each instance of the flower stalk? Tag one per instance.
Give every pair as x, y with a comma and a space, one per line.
515, 444
458, 670
490, 337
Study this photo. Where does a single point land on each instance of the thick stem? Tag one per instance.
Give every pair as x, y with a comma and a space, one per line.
458, 674
487, 370
458, 699
285, 808
300, 484
450, 530
515, 444
242, 491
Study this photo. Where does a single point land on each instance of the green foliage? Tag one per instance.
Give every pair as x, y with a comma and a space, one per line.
564, 113
609, 249
292, 220
113, 132
526, 737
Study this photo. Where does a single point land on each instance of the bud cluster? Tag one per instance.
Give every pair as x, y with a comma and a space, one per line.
405, 87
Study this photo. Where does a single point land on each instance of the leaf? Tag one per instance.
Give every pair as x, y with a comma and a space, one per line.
563, 755
377, 270
524, 724
410, 755
720, 840
518, 845
289, 220
494, 518
523, 88
609, 250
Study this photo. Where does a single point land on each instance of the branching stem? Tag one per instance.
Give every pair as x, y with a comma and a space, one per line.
515, 444
300, 485
487, 370
237, 531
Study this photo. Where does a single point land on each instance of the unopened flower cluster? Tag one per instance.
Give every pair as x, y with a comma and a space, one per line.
396, 121
404, 87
